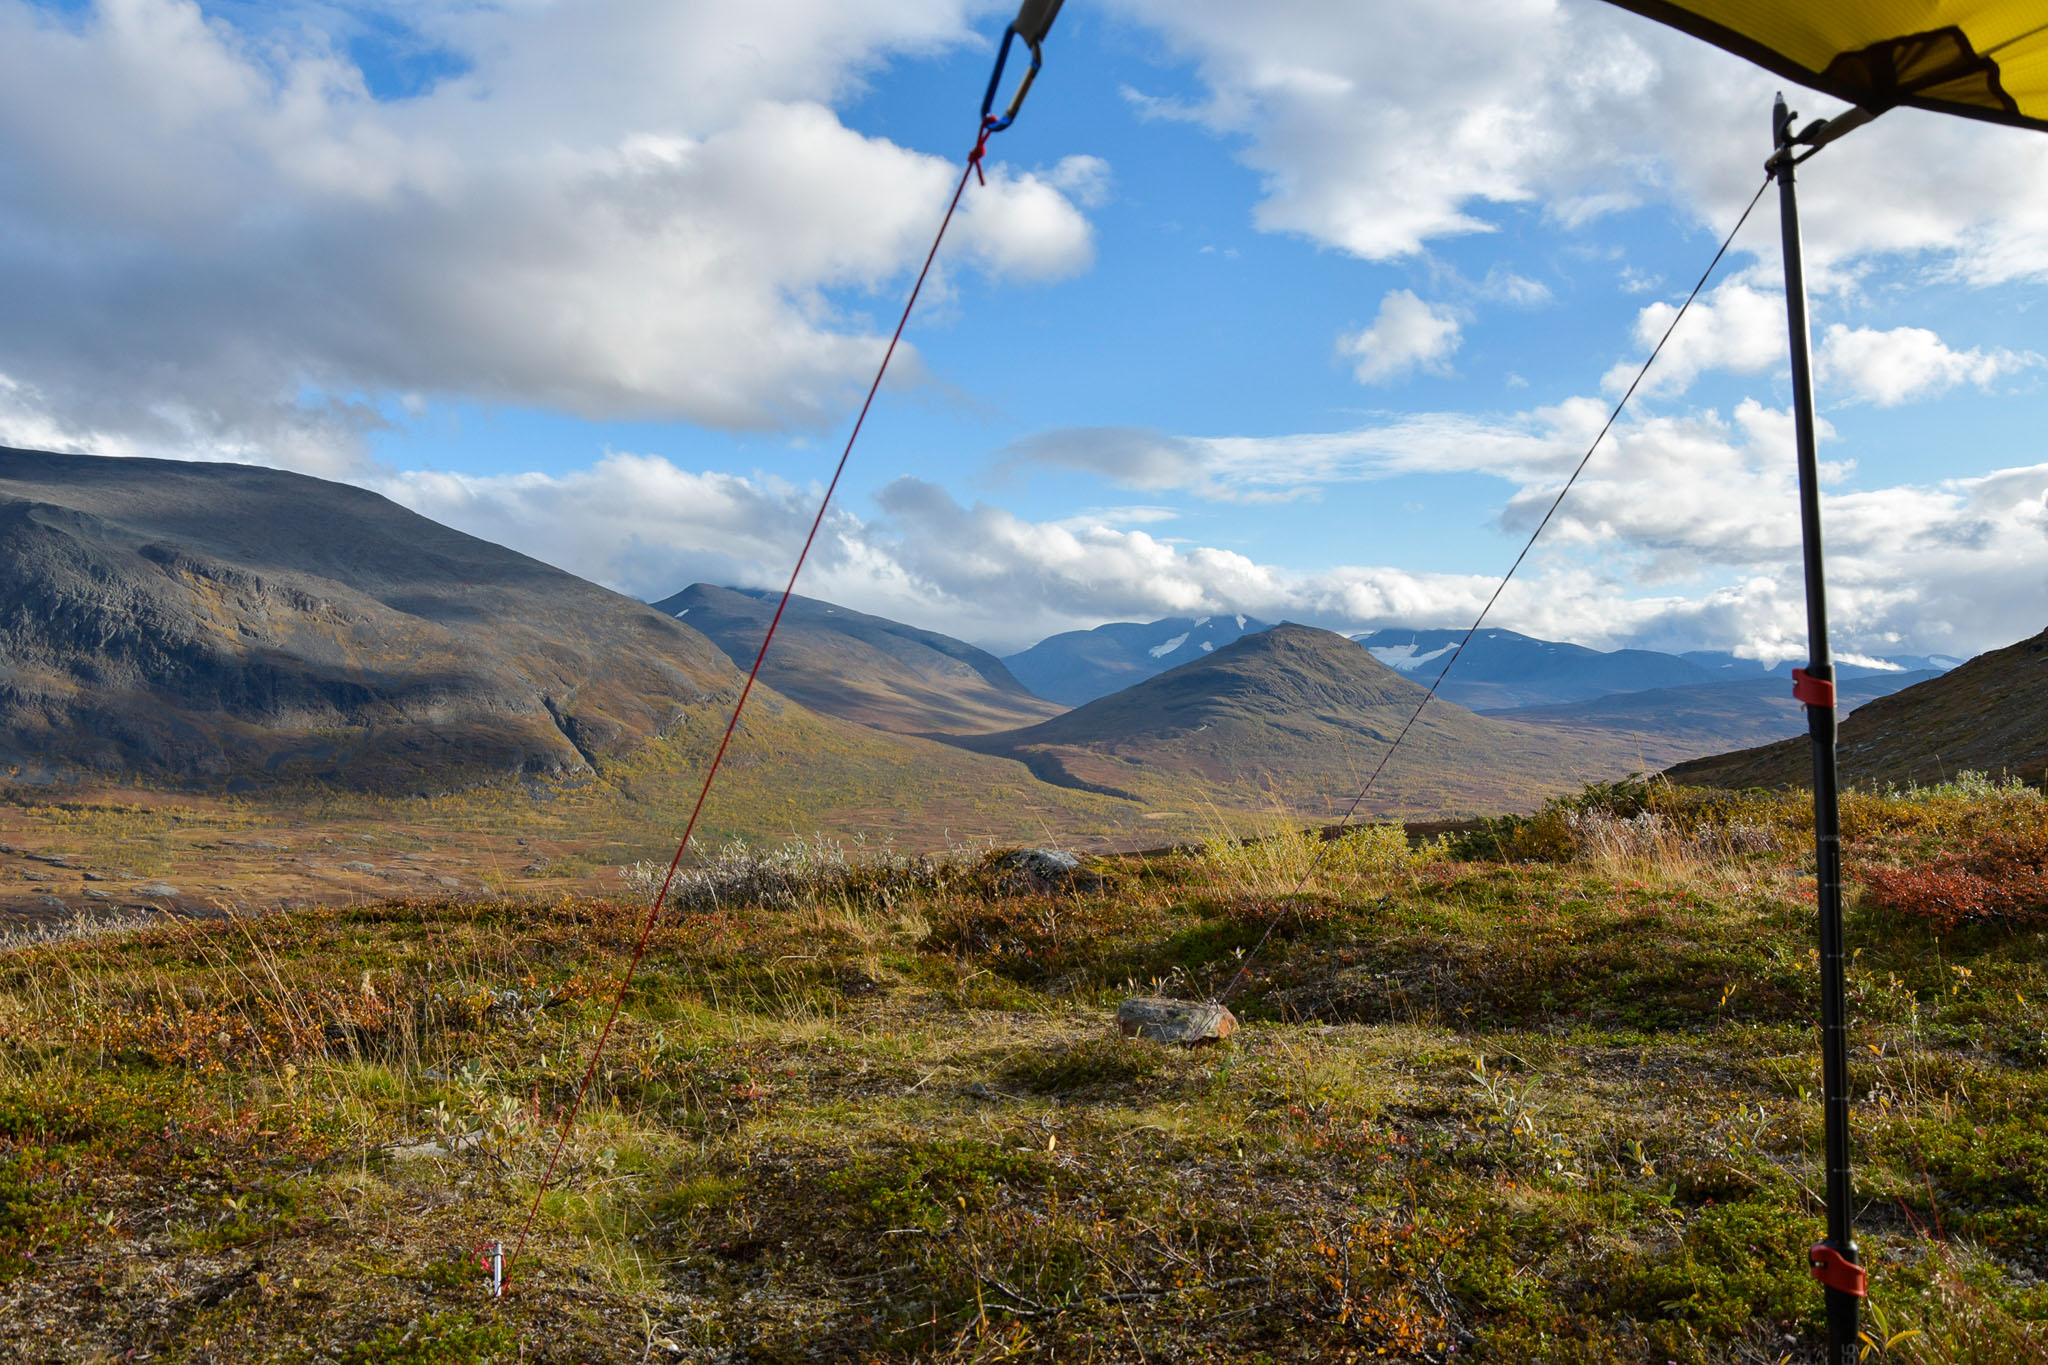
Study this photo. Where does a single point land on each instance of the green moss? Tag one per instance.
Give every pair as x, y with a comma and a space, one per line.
1734, 1264
1092, 1065
38, 1215
436, 1339
926, 1185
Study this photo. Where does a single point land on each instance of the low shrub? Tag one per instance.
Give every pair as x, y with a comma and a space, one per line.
1639, 818
1281, 861
787, 875
1998, 877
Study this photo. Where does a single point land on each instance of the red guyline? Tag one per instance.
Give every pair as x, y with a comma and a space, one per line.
654, 911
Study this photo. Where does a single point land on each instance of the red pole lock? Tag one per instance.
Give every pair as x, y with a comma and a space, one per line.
1835, 1270
1811, 690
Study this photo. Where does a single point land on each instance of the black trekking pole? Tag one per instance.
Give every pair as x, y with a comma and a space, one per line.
1832, 1260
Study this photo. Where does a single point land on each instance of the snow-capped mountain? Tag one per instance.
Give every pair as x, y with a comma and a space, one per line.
1080, 665
1724, 666
1502, 669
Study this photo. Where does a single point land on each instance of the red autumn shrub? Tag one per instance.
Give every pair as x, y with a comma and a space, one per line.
1944, 897
1999, 877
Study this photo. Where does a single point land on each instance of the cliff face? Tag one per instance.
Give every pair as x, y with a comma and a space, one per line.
208, 623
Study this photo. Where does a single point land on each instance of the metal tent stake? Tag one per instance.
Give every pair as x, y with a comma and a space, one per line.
491, 1259
1833, 1260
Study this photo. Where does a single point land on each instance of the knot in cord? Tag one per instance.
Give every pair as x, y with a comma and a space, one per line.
988, 126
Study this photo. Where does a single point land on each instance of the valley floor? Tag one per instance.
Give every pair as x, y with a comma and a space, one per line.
1542, 1092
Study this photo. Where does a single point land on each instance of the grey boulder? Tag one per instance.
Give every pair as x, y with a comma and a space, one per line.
1183, 1023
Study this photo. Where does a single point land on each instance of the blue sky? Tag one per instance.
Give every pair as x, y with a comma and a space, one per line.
1298, 310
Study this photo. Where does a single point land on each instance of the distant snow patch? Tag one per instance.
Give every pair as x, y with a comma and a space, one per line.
1240, 623
1403, 657
1203, 622
1208, 648
1161, 651
681, 614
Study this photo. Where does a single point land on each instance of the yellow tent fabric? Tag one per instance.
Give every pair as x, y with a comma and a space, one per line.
1984, 59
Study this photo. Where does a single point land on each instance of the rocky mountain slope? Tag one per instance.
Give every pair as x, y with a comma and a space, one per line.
218, 623
1990, 715
864, 668
1296, 718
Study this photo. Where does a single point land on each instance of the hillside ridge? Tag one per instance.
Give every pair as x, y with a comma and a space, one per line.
1296, 716
861, 667
217, 622
1989, 714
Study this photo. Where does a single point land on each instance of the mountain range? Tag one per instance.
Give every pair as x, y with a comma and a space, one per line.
882, 673
1500, 670
245, 628
1674, 723
865, 668
897, 677
1078, 666
1298, 718
227, 627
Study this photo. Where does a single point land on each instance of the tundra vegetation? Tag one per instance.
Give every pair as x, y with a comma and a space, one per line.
1544, 1090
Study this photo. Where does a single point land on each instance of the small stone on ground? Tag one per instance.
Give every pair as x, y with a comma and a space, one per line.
1039, 870
1184, 1023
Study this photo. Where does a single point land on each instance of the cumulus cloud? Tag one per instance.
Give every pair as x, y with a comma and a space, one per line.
1683, 536
1407, 335
626, 209
1735, 326
1739, 328
1380, 128
1297, 465
1907, 363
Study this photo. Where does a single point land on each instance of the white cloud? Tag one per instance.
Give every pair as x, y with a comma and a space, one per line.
1408, 334
1906, 363
1685, 535
620, 209
1087, 180
1735, 326
1381, 127
1288, 467
1739, 327
1506, 286
1378, 128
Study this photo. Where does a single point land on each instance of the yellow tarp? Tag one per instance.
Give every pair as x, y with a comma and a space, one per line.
1985, 59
